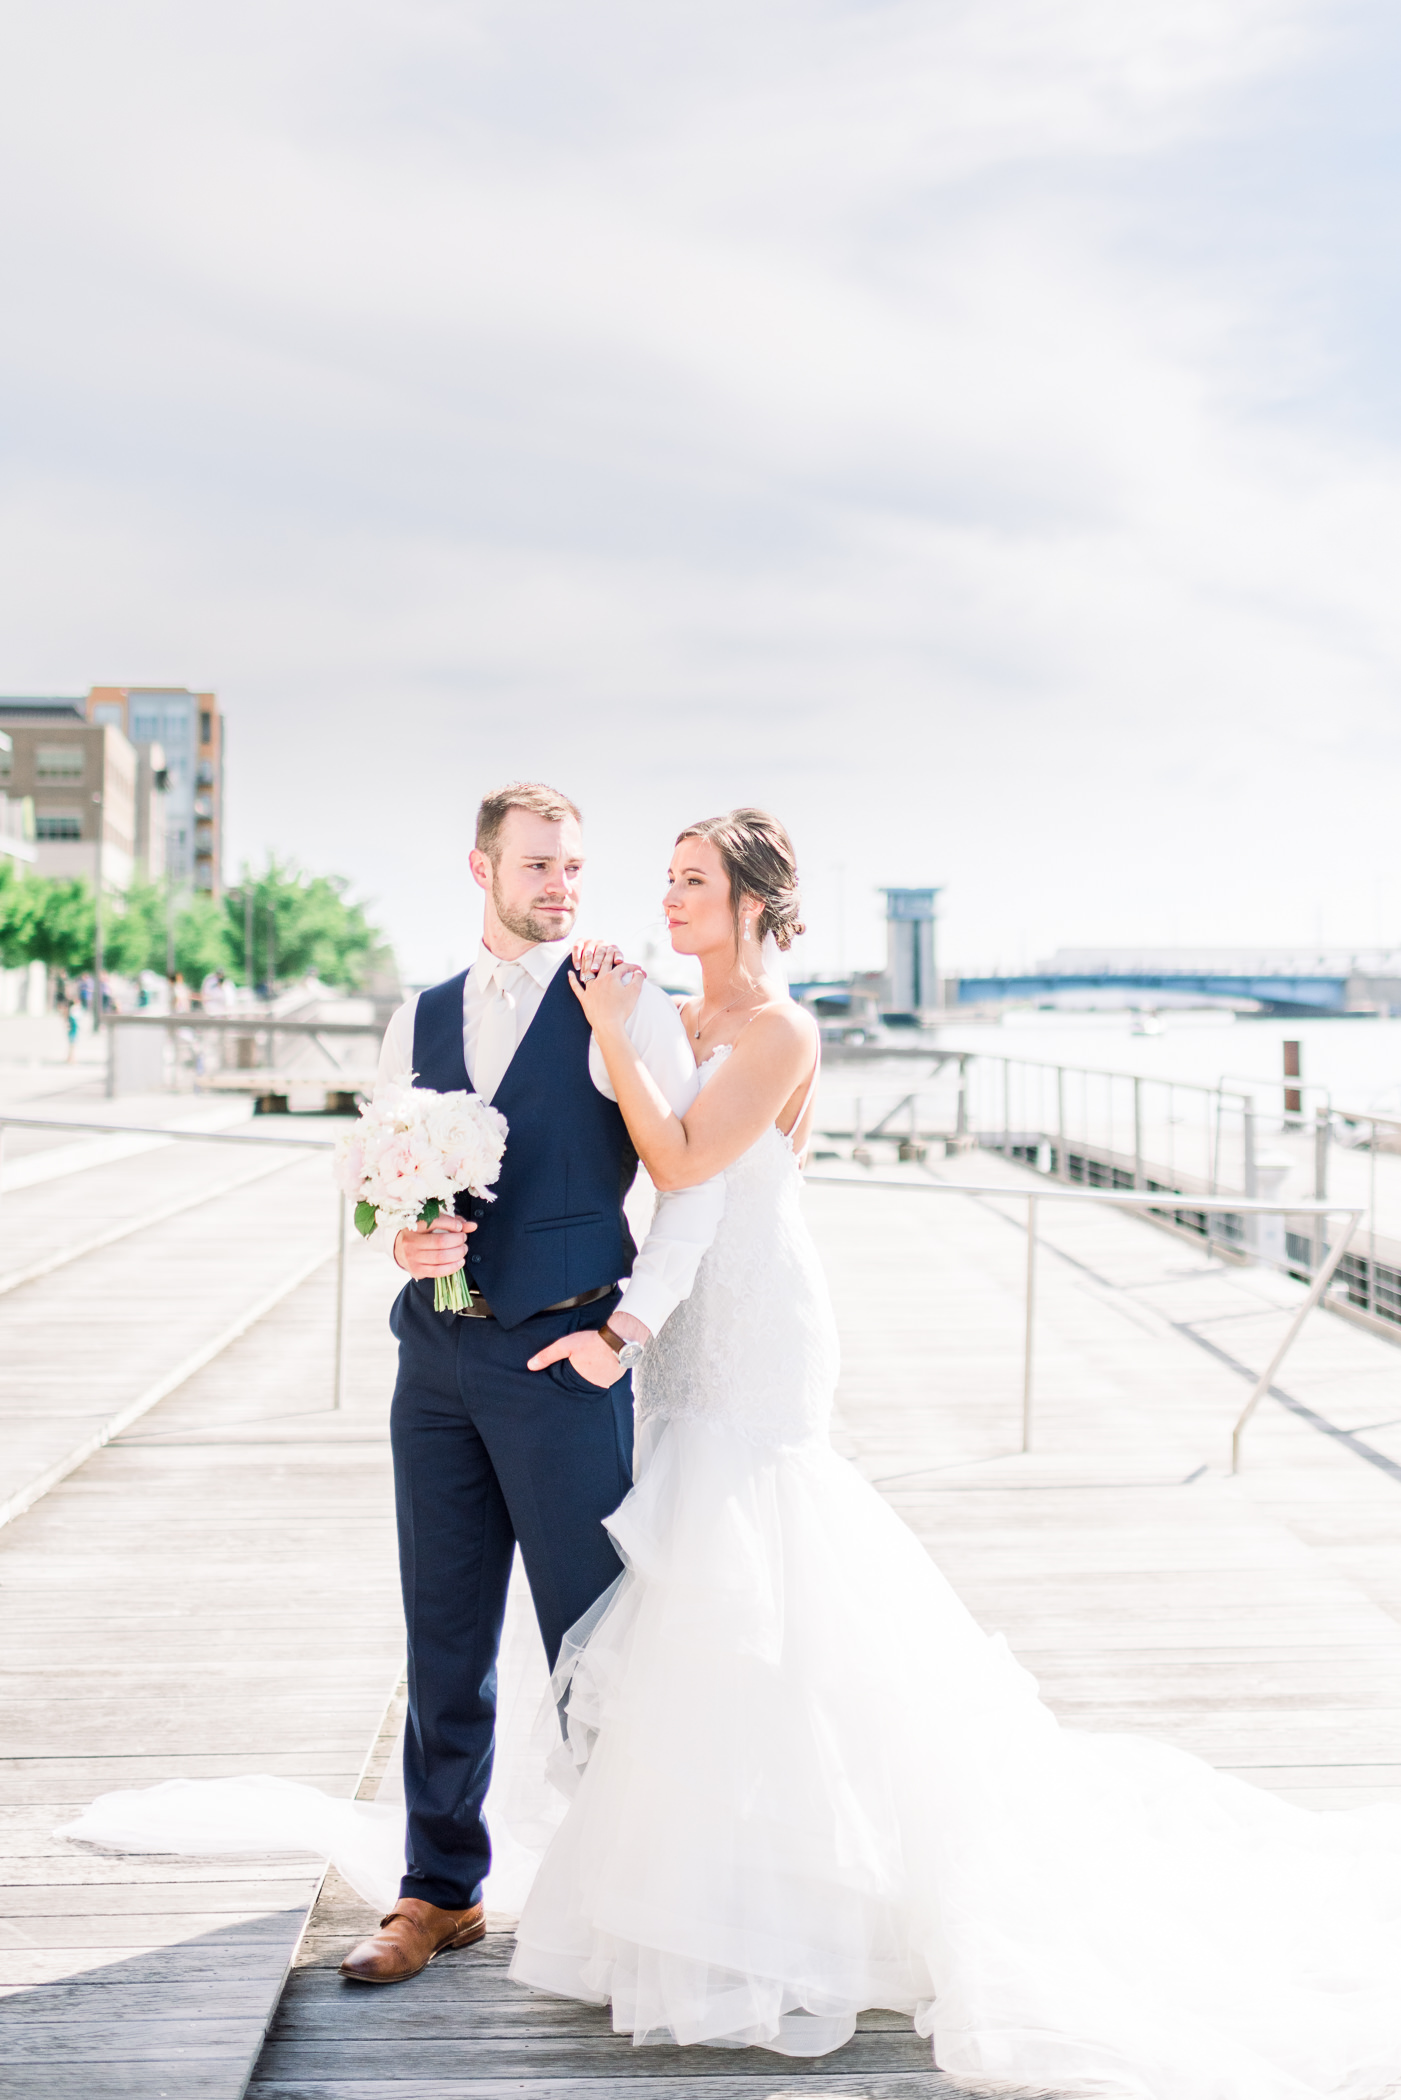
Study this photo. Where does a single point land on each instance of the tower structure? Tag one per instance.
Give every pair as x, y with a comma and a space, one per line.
909, 936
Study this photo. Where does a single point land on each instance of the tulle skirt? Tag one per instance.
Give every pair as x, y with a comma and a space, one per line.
806, 1783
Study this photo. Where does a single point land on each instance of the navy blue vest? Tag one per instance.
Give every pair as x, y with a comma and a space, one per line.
557, 1226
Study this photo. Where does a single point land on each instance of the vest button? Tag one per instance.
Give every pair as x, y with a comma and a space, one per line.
474, 1257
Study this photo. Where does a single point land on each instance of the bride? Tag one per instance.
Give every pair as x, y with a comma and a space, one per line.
807, 1782
803, 1781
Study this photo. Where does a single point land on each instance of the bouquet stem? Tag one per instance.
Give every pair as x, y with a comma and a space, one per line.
451, 1293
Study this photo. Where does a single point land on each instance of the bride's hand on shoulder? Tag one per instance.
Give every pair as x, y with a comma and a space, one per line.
589, 957
607, 987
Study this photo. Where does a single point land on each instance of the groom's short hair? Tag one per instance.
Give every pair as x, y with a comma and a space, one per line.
533, 795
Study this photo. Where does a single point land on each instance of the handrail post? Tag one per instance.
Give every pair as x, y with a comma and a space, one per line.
1006, 1106
1372, 1223
1249, 1174
1322, 1133
338, 1386
1137, 1132
1062, 1155
1030, 1320
1266, 1378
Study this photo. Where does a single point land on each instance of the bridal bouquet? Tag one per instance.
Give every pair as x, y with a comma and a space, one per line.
410, 1153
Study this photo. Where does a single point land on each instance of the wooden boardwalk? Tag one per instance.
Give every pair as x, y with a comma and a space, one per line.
216, 1593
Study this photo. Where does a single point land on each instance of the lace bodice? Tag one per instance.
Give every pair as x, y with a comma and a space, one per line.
755, 1344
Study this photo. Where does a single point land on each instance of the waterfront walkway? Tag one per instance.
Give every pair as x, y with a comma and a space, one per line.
214, 1592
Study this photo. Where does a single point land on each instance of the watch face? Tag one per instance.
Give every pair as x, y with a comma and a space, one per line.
630, 1355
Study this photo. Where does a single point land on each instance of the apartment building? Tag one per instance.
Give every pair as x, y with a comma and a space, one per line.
186, 729
81, 777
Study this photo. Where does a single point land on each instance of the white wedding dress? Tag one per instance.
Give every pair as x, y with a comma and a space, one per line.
804, 1782
809, 1783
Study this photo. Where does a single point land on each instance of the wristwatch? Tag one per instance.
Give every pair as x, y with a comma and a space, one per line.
629, 1354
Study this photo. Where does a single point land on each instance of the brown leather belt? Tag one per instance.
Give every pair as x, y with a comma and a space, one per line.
480, 1310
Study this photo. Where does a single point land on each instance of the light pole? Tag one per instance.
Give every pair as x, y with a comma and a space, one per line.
248, 927
97, 914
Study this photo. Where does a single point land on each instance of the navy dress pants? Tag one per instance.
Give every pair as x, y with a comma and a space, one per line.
486, 1455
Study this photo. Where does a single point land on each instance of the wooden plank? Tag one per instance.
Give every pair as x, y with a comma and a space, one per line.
183, 2078
97, 1999
232, 1958
717, 2084
171, 2043
539, 2058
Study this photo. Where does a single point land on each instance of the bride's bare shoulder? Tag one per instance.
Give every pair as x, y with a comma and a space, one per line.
780, 1029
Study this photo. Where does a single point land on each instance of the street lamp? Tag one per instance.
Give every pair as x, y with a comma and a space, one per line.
97, 916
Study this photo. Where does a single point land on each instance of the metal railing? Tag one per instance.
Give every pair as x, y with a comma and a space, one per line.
1136, 1200
206, 1137
1122, 1130
1131, 1200
254, 1036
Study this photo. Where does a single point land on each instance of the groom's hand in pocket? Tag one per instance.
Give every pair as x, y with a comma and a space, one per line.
434, 1250
591, 1357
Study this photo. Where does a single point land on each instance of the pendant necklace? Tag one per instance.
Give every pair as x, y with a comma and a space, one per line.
716, 1017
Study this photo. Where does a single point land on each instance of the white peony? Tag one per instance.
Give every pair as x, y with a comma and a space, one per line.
410, 1154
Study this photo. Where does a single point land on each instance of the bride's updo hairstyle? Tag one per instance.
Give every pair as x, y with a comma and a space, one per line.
758, 858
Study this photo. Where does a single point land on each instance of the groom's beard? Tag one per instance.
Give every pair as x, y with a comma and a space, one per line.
525, 925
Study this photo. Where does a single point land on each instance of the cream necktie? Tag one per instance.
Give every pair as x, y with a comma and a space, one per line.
496, 1038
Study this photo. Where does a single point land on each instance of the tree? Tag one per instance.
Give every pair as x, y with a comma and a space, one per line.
63, 936
201, 939
133, 934
21, 902
301, 923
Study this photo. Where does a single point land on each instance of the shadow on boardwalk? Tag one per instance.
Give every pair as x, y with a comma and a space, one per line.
176, 2022
462, 2031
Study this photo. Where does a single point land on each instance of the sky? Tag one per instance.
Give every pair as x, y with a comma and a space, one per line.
971, 429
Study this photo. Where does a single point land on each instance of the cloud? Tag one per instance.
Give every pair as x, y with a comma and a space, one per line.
889, 412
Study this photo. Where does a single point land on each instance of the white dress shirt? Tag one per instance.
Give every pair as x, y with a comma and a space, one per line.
684, 1222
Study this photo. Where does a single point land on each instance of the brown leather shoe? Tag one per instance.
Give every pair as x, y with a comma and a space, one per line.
409, 1938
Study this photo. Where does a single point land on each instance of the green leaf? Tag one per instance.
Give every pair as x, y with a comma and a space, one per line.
366, 1218
431, 1210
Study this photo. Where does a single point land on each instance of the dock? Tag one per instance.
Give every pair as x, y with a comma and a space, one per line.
213, 1590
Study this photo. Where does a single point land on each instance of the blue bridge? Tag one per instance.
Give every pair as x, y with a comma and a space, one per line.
1274, 995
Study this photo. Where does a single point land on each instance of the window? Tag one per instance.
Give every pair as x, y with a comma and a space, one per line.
206, 726
58, 824
59, 762
7, 759
145, 725
108, 714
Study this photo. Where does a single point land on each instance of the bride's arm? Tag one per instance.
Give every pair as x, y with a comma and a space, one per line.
767, 1065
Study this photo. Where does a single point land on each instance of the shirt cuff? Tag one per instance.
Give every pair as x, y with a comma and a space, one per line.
648, 1299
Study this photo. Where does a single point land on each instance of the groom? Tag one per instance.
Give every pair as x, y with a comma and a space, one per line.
512, 1425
